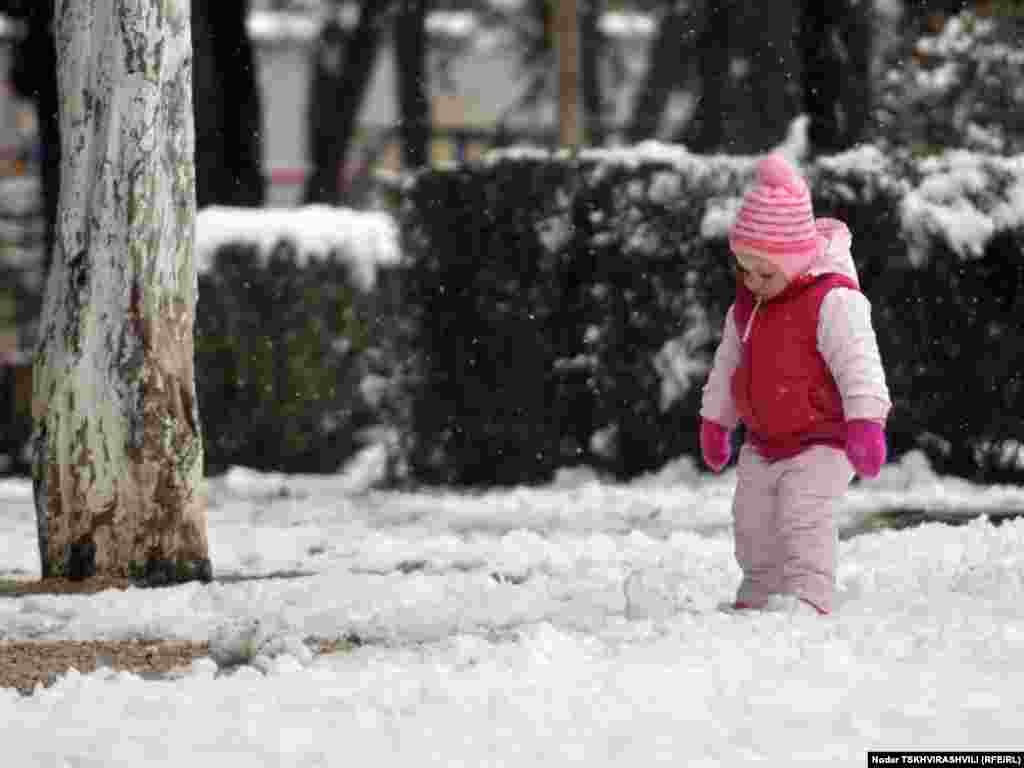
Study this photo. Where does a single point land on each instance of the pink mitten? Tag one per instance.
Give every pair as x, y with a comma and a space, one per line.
865, 446
714, 444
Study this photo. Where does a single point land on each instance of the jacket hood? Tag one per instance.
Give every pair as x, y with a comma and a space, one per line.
836, 256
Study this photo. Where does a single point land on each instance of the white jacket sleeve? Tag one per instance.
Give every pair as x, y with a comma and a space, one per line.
716, 403
846, 339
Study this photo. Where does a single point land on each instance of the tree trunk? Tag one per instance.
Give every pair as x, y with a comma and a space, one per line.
750, 77
669, 66
243, 123
568, 27
208, 96
118, 454
414, 106
767, 97
34, 74
713, 65
591, 44
336, 102
228, 121
835, 46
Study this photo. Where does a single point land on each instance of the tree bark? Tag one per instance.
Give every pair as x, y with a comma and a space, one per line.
414, 104
118, 453
336, 103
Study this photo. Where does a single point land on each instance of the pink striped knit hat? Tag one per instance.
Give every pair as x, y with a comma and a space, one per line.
776, 220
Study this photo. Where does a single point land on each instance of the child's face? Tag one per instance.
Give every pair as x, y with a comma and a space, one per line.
762, 278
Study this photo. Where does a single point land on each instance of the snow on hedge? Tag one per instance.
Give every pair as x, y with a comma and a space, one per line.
964, 198
364, 240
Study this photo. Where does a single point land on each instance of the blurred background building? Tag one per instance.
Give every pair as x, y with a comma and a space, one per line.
480, 92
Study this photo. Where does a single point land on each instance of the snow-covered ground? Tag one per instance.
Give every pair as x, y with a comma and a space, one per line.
575, 623
579, 622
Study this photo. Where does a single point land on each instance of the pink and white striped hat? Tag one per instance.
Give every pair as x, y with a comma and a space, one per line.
776, 220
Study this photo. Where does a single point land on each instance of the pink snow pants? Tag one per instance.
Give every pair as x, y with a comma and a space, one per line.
785, 533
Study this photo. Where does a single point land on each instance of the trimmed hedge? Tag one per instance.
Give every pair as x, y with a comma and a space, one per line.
564, 310
283, 353
543, 292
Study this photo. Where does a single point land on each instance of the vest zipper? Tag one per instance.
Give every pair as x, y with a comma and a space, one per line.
750, 321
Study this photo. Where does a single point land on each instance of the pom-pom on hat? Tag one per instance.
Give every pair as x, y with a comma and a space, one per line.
776, 220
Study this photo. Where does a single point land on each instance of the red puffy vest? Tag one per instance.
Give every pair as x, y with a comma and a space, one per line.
784, 392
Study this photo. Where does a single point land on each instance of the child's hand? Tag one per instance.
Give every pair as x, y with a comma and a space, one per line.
865, 446
714, 444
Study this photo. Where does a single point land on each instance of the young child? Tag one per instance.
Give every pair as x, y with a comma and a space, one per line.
799, 366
